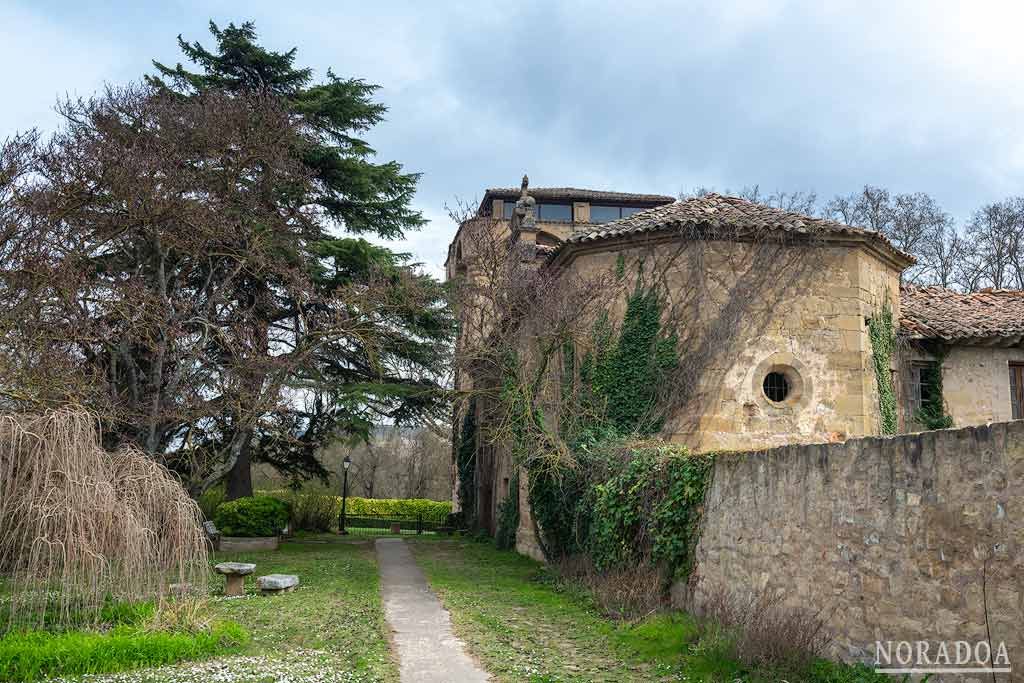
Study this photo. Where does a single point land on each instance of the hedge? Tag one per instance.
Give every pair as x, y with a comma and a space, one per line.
431, 510
399, 507
252, 517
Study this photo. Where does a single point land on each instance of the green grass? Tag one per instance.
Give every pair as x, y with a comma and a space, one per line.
37, 654
526, 625
336, 610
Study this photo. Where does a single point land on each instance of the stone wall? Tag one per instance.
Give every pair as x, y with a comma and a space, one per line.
897, 538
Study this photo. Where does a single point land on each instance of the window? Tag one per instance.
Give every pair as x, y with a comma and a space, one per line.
1017, 391
603, 214
554, 212
509, 207
922, 388
776, 387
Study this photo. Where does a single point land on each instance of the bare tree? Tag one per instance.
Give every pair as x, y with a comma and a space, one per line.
995, 231
801, 201
913, 222
158, 257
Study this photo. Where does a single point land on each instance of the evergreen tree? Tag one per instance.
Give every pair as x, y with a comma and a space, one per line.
388, 369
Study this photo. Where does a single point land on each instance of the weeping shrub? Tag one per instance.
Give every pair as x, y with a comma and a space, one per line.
81, 526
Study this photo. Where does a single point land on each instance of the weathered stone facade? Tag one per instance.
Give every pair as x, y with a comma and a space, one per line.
910, 538
808, 321
976, 382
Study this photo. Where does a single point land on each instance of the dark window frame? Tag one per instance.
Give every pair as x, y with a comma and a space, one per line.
1016, 391
918, 391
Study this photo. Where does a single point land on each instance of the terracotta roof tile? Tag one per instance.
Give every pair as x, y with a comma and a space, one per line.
938, 313
716, 210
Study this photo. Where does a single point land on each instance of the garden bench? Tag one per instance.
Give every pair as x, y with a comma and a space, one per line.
235, 573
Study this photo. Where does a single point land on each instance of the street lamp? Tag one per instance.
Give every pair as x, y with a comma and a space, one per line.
344, 495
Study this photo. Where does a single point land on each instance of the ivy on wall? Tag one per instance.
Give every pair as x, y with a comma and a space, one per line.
932, 414
650, 509
624, 501
508, 517
882, 334
465, 462
622, 375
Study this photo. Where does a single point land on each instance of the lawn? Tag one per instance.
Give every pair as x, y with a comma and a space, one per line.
330, 628
523, 624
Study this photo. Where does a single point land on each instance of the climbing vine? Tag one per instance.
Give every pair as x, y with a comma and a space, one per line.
882, 334
508, 518
932, 414
650, 509
623, 501
465, 462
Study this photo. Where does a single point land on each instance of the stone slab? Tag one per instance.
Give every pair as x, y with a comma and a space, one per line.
236, 568
272, 583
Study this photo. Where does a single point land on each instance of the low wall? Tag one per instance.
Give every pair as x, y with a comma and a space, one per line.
911, 538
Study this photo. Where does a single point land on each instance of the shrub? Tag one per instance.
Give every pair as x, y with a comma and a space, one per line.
254, 516
30, 656
123, 531
400, 507
763, 633
650, 509
319, 511
312, 511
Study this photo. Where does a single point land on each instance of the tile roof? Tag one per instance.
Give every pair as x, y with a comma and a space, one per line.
715, 210
577, 194
938, 313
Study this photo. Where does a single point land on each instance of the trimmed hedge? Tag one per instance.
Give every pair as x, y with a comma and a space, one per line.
399, 507
310, 509
252, 517
33, 655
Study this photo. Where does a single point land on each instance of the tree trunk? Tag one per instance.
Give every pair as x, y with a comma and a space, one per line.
240, 475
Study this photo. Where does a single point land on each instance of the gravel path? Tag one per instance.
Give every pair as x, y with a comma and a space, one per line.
428, 651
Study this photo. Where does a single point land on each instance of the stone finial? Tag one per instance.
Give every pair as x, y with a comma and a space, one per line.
525, 185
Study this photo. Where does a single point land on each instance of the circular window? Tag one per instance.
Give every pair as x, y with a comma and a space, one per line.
776, 387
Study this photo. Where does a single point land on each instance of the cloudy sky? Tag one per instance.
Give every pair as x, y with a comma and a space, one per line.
632, 96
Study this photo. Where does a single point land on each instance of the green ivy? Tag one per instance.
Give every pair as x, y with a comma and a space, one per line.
508, 518
882, 334
649, 511
932, 414
465, 455
622, 375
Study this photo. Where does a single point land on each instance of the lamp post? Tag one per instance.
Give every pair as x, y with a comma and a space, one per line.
344, 495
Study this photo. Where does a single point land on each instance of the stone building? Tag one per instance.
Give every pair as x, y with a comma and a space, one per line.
779, 303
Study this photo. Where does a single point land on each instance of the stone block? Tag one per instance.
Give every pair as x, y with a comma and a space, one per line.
277, 583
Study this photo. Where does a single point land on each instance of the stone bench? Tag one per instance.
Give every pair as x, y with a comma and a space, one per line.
277, 583
235, 573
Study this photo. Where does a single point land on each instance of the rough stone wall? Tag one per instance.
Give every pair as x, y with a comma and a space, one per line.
897, 538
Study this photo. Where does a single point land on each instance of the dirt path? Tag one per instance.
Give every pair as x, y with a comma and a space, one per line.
428, 651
